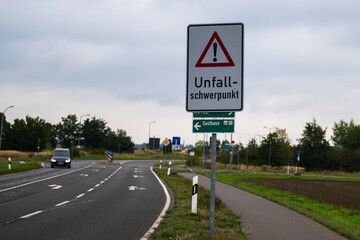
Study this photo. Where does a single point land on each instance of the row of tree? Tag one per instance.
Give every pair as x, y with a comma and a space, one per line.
34, 134
315, 150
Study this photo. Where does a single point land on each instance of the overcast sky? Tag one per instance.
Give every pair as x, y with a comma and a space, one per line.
125, 62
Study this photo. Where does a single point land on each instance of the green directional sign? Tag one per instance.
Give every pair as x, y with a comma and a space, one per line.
213, 114
213, 126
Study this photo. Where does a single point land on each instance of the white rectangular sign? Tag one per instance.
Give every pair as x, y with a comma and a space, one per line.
215, 67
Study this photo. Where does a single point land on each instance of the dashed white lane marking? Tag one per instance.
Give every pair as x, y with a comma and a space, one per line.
163, 212
31, 214
55, 187
44, 179
81, 195
63, 203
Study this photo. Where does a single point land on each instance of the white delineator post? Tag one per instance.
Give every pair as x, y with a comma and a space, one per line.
194, 194
9, 160
160, 164
288, 169
169, 169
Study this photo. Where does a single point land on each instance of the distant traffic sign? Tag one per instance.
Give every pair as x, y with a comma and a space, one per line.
166, 142
213, 126
176, 141
213, 114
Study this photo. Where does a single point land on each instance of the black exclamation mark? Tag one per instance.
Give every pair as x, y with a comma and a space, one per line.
215, 48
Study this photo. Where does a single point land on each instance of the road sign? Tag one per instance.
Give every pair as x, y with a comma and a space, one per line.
176, 141
166, 142
215, 67
110, 156
213, 126
213, 114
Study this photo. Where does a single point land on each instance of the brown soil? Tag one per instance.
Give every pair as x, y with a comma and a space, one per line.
339, 193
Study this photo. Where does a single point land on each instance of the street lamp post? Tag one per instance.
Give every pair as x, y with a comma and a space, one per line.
149, 133
270, 143
2, 121
247, 151
85, 115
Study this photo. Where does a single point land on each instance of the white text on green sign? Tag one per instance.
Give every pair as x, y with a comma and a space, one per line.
213, 126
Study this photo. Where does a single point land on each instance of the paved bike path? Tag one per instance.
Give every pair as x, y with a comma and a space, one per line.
265, 220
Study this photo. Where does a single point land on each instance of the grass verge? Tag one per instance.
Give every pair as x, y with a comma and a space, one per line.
341, 220
17, 167
180, 223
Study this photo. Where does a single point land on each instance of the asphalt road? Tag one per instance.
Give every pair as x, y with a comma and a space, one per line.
91, 200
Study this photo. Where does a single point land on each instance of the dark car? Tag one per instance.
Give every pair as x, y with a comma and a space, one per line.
61, 157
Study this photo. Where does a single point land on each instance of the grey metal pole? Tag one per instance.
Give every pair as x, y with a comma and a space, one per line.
80, 128
203, 165
247, 157
212, 184
154, 148
2, 121
231, 154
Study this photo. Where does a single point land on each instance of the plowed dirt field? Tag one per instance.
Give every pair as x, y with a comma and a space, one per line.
339, 193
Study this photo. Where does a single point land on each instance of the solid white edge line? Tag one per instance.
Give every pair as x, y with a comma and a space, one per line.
40, 180
163, 212
31, 214
59, 204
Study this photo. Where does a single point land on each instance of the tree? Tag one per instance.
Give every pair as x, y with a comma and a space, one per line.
281, 150
95, 133
119, 141
31, 133
314, 146
346, 152
346, 135
6, 134
66, 130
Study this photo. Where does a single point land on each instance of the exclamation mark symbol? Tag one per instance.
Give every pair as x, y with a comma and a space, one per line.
215, 49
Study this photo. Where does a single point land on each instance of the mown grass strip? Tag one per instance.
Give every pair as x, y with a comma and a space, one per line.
341, 220
180, 223
17, 167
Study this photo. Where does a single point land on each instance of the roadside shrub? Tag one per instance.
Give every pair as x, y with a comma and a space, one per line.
97, 151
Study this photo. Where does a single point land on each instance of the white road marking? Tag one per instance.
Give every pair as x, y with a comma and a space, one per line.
54, 186
81, 195
41, 180
163, 212
83, 175
65, 202
137, 176
132, 188
31, 214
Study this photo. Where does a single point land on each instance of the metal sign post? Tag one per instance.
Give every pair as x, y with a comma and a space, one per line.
214, 84
212, 185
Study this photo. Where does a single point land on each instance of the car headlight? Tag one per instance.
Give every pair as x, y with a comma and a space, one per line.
67, 160
53, 160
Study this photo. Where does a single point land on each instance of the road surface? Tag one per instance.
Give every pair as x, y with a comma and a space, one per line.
92, 200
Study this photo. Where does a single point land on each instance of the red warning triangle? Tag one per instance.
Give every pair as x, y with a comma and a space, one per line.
230, 62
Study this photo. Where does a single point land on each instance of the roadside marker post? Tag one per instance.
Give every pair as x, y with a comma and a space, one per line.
110, 156
9, 161
288, 169
169, 169
194, 194
160, 163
